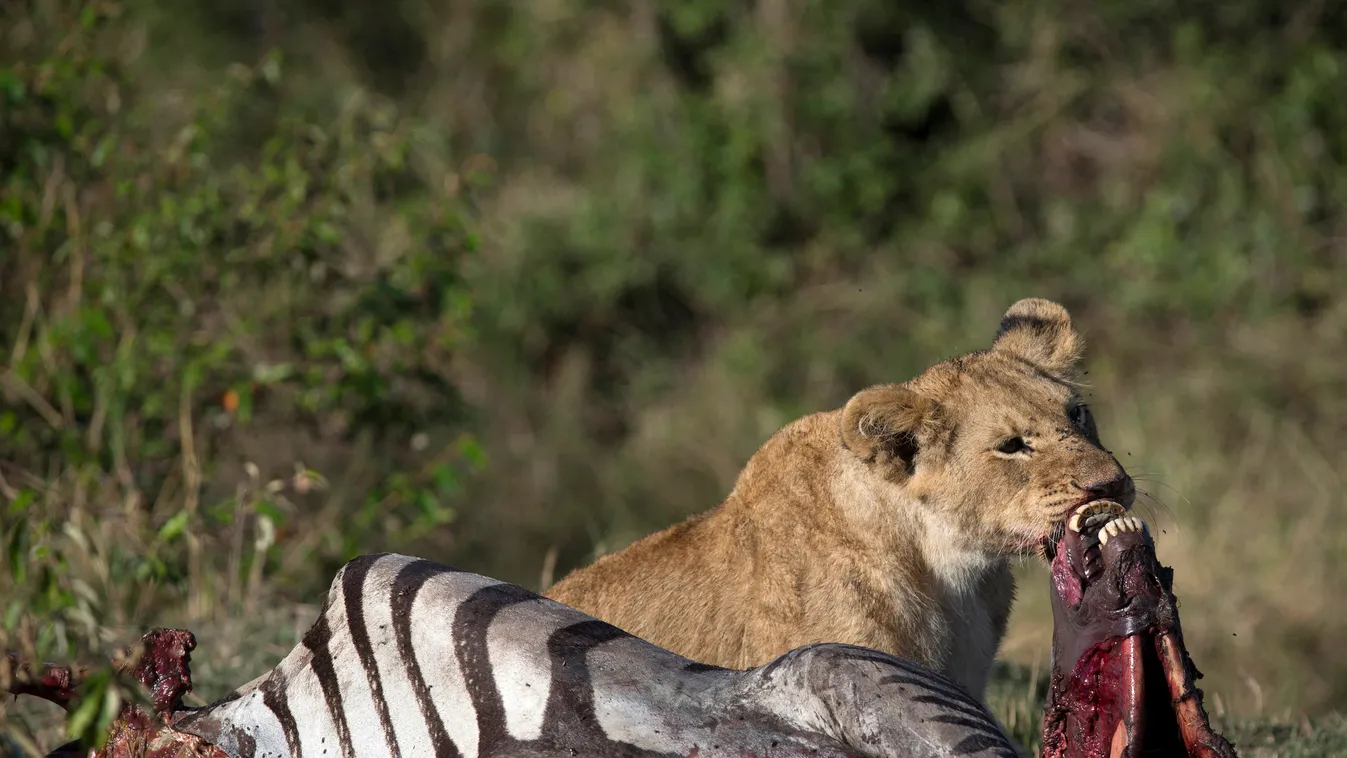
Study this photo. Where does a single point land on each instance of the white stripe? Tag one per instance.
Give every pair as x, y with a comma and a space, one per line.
517, 648
432, 640
410, 728
357, 700
317, 732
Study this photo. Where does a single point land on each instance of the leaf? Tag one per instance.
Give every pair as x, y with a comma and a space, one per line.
446, 479
272, 373
112, 706
267, 509
21, 502
13, 613
78, 725
16, 552
472, 452
173, 527
12, 86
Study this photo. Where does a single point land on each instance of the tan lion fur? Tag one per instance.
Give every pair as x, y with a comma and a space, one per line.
886, 523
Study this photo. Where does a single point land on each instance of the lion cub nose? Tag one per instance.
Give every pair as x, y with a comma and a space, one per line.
1119, 488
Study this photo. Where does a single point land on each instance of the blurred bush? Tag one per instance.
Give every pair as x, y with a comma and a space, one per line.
181, 271
509, 285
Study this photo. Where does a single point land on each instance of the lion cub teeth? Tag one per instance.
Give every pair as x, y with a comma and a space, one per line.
1094, 512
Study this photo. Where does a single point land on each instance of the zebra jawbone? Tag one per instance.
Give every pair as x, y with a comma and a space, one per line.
1122, 681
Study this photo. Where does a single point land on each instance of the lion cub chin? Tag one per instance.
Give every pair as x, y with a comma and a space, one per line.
887, 523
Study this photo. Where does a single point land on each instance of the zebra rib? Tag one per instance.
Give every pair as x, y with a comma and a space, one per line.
413, 658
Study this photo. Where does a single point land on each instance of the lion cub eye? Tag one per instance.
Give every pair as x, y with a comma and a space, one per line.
1013, 445
1080, 415
1082, 419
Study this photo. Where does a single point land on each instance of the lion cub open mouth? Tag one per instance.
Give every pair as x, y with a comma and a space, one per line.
1073, 549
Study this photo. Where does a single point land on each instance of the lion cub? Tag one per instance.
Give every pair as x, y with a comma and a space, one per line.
887, 523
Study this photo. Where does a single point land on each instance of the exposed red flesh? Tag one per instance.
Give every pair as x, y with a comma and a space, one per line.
160, 662
1123, 685
49, 682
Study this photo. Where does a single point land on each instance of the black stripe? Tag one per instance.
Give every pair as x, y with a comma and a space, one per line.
978, 726
953, 705
769, 669
921, 676
353, 592
406, 586
930, 674
934, 686
275, 699
471, 621
317, 641
244, 743
1039, 326
978, 742
872, 657
570, 704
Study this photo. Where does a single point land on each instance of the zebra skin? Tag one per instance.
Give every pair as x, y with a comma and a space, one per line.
411, 658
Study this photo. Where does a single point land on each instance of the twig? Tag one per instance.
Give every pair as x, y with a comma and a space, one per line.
20, 348
5, 489
15, 385
72, 217
549, 569
191, 475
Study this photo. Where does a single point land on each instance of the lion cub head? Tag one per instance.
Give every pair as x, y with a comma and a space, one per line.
995, 447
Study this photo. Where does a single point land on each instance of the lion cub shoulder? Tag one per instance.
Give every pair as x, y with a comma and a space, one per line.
886, 523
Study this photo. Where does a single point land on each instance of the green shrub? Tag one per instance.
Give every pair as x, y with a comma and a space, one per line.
181, 271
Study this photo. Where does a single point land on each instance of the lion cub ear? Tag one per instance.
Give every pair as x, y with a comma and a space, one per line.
1040, 332
883, 424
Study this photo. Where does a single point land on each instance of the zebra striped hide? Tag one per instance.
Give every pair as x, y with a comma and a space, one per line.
412, 658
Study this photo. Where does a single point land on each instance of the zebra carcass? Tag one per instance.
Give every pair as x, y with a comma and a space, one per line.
413, 658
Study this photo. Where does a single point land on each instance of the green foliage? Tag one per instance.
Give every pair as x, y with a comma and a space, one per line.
178, 273
169, 282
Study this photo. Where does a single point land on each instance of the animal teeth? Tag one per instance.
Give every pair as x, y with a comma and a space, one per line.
1094, 512
1110, 530
1098, 518
1117, 525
